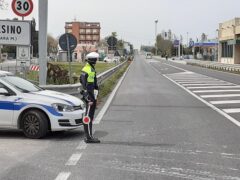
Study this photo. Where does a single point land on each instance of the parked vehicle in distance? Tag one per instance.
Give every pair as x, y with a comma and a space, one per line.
148, 55
108, 60
34, 110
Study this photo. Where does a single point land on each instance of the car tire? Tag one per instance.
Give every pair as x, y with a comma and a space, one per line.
34, 124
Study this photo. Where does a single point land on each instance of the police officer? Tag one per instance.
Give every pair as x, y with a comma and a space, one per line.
90, 90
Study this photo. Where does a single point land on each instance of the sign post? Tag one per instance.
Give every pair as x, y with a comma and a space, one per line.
68, 43
43, 19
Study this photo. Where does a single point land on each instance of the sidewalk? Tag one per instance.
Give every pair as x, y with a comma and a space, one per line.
207, 64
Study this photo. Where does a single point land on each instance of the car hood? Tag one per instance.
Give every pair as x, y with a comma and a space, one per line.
50, 97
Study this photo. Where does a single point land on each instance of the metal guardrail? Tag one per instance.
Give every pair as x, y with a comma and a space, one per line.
73, 89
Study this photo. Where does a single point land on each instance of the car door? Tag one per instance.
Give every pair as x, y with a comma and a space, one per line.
7, 101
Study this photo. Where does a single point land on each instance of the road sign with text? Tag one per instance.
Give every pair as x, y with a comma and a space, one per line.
15, 32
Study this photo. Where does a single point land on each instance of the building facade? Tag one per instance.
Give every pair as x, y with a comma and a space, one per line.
229, 41
85, 32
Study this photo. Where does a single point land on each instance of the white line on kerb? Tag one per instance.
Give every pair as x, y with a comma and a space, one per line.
82, 146
63, 176
220, 95
73, 160
226, 102
107, 104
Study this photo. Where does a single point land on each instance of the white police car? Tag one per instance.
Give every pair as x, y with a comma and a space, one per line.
34, 110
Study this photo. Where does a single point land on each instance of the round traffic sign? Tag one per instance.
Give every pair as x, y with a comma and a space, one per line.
112, 41
22, 7
68, 42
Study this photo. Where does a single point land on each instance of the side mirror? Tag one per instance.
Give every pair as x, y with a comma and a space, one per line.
4, 92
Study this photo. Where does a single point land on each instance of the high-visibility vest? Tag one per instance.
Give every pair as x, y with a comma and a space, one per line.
90, 71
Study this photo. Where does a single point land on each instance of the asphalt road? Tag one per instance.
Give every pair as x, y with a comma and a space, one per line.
167, 121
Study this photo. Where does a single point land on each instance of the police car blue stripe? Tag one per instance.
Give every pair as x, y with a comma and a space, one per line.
16, 106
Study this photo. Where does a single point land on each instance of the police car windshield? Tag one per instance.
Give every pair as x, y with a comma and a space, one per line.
21, 84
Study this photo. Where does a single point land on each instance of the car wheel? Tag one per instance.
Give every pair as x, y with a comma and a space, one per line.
34, 124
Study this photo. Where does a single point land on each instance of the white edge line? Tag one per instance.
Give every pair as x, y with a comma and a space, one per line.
208, 104
63, 176
234, 121
112, 95
73, 160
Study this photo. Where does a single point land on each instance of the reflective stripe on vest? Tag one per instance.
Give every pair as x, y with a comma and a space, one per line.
90, 71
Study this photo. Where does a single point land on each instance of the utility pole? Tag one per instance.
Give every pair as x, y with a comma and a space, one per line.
42, 43
156, 21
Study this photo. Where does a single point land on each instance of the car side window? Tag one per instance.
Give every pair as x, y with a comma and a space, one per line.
8, 89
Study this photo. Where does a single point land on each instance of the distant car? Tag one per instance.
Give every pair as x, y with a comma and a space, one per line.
108, 60
149, 56
34, 110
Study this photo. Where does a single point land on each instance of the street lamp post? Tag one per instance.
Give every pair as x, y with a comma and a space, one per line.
156, 21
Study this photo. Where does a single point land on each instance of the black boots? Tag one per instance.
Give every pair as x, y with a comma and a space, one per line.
91, 140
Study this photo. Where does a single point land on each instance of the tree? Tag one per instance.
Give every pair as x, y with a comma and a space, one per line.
164, 47
52, 44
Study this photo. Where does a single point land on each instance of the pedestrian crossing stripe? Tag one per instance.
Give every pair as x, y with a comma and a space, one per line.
224, 95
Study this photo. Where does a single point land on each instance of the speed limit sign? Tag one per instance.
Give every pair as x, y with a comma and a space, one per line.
22, 7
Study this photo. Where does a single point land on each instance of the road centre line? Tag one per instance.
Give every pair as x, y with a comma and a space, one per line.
214, 91
225, 102
63, 176
232, 111
82, 146
202, 82
220, 95
214, 87
73, 160
234, 121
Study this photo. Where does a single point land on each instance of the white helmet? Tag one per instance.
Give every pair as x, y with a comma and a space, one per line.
92, 57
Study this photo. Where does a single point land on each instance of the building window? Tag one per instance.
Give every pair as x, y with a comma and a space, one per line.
82, 31
227, 50
88, 31
95, 37
95, 31
68, 30
88, 37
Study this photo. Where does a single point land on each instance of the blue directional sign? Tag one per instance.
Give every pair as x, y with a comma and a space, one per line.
68, 42
191, 43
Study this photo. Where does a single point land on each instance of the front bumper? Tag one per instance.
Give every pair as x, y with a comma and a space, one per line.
69, 120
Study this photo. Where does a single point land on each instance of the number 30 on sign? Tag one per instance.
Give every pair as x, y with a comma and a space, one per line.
22, 7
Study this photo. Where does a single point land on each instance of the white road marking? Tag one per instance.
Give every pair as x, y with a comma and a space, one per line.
222, 84
82, 146
73, 160
176, 67
232, 111
198, 82
226, 102
63, 176
220, 95
107, 104
213, 91
214, 87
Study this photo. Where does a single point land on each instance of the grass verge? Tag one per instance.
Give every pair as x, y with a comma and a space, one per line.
107, 87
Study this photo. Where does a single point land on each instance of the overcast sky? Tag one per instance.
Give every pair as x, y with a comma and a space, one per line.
133, 20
